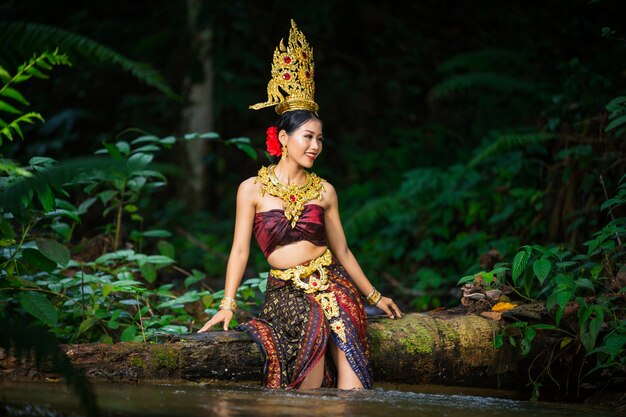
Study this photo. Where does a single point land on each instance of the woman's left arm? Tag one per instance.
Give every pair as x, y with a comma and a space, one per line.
339, 245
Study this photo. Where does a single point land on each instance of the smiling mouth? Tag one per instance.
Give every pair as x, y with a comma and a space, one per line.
311, 155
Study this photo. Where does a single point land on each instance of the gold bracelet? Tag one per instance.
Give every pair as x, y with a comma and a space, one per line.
374, 297
228, 303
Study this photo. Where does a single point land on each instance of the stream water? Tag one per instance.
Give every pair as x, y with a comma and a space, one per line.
230, 400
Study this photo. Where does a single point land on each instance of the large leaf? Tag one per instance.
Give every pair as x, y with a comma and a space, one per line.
541, 268
519, 263
149, 272
614, 344
129, 334
196, 277
54, 250
188, 297
590, 328
37, 260
88, 323
36, 304
167, 249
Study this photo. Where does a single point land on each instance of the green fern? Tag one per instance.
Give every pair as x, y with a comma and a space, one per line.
371, 213
14, 126
617, 115
506, 142
484, 60
17, 37
474, 80
35, 67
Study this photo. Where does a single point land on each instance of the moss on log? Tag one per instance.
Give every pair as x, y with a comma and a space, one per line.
417, 349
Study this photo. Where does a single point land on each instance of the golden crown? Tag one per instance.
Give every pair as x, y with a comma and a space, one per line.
292, 72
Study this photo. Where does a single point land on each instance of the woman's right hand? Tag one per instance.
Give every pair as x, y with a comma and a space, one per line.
221, 316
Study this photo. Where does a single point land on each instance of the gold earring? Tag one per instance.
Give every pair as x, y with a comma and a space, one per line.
283, 155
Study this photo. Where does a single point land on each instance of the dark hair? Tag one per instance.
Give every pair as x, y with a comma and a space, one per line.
292, 120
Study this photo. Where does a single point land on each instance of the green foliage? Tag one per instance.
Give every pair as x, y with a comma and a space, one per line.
115, 296
617, 116
499, 143
18, 37
501, 149
588, 284
35, 67
496, 82
440, 220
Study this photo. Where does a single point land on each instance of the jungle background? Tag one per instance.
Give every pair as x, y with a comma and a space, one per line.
464, 138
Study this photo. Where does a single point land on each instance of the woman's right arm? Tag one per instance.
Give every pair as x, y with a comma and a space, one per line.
244, 220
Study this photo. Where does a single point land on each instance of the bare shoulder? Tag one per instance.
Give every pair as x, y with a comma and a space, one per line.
248, 190
329, 187
249, 184
329, 194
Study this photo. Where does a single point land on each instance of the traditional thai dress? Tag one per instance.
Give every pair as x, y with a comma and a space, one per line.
306, 306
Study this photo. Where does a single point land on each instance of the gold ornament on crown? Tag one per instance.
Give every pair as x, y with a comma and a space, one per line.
294, 196
292, 86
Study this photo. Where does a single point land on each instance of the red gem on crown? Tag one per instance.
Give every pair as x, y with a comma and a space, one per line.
287, 60
287, 76
292, 198
308, 74
315, 284
304, 55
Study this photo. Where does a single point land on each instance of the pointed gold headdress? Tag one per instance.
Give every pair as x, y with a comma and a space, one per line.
292, 72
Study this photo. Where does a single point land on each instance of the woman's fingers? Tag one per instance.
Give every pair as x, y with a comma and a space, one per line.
383, 304
207, 326
388, 306
221, 316
396, 310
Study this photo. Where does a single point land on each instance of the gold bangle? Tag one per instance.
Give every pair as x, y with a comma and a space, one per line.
228, 303
374, 297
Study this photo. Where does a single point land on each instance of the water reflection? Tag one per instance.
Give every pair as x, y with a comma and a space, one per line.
272, 403
230, 400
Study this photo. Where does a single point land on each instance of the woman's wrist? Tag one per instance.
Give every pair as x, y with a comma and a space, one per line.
228, 303
373, 297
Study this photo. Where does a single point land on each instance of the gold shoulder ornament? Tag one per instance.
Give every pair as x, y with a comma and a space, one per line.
293, 196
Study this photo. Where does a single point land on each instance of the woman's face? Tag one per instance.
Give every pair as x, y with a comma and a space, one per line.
305, 143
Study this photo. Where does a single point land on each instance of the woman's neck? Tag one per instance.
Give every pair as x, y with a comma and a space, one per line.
289, 173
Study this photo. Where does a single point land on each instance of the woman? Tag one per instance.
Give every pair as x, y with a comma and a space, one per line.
312, 328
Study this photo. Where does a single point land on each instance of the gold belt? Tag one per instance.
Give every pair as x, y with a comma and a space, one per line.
319, 285
296, 273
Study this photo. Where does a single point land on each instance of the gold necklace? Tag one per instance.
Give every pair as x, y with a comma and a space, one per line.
293, 196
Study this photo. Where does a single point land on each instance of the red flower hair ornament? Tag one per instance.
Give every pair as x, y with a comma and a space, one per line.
273, 144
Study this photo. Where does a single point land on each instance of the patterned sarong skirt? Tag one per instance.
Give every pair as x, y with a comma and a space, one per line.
294, 328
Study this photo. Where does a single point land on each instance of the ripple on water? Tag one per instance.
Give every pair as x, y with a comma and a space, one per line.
245, 401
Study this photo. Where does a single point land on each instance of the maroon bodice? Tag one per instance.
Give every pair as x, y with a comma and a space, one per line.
272, 229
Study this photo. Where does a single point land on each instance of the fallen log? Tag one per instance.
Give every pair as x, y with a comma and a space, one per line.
417, 349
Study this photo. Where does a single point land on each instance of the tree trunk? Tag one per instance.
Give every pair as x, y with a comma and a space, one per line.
416, 349
198, 112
